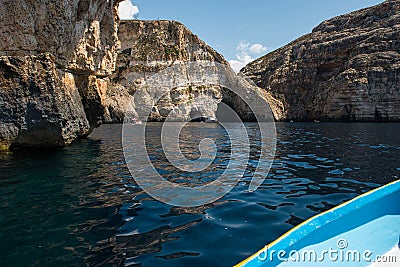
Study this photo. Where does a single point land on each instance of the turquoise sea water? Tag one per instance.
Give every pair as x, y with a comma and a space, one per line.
79, 205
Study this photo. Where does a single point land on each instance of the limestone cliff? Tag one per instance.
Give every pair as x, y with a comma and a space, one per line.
347, 69
156, 47
55, 56
80, 33
40, 105
58, 79
148, 48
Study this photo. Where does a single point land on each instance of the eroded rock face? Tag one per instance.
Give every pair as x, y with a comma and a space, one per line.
81, 34
347, 69
170, 51
55, 59
151, 47
40, 105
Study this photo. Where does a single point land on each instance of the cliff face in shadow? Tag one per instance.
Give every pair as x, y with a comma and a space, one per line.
55, 57
347, 69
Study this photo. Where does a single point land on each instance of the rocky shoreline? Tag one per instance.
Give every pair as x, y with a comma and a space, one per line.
66, 66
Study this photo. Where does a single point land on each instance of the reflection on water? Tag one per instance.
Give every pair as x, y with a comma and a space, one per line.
79, 206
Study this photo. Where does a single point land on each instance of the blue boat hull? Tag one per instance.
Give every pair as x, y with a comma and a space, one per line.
356, 233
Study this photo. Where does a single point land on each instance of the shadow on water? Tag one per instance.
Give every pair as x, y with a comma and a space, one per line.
79, 205
56, 205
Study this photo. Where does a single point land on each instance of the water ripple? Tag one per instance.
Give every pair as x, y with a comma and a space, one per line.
79, 205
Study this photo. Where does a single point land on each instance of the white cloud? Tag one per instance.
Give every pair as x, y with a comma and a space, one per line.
127, 10
243, 56
257, 49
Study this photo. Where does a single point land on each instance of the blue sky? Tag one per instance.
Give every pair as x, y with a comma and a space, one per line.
244, 30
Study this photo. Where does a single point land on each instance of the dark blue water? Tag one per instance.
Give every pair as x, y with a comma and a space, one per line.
79, 205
